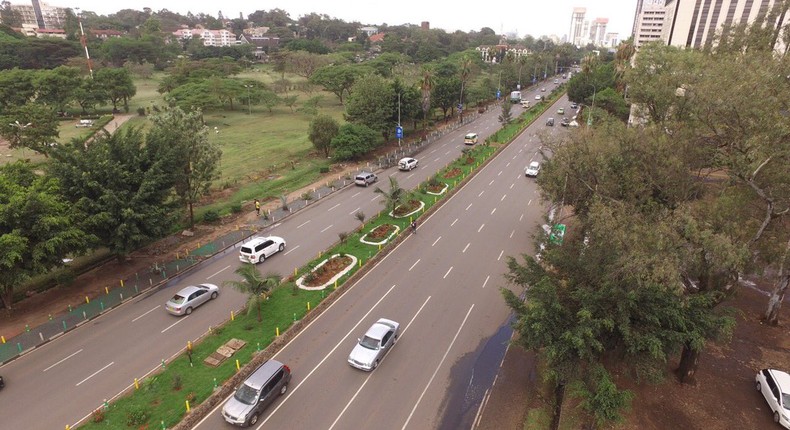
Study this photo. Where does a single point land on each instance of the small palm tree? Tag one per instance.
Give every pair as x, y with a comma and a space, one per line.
255, 285
394, 196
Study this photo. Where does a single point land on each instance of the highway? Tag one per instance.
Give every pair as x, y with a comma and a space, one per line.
440, 284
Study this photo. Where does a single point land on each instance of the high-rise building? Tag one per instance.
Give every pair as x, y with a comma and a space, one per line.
695, 23
648, 21
576, 34
598, 31
40, 15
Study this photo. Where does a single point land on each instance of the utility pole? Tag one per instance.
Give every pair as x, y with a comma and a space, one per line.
84, 42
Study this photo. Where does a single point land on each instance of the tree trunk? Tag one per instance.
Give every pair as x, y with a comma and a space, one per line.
191, 216
7, 297
775, 302
689, 361
559, 395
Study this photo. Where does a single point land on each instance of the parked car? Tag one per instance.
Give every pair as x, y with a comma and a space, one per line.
256, 393
259, 249
550, 122
538, 97
775, 387
377, 342
365, 178
407, 163
561, 111
533, 169
191, 297
85, 123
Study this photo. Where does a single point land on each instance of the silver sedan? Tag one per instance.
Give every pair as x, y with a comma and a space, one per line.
191, 297
371, 349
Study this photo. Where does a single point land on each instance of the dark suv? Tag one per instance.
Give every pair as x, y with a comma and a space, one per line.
268, 382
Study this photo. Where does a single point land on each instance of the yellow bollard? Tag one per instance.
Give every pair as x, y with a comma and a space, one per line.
277, 332
136, 384
87, 301
177, 256
237, 365
187, 402
294, 271
67, 427
189, 345
232, 317
121, 283
2, 338
106, 290
308, 306
360, 262
379, 247
335, 283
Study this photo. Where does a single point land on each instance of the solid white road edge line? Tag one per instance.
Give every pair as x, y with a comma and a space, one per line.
444, 357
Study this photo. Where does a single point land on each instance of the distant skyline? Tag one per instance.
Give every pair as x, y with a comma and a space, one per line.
509, 16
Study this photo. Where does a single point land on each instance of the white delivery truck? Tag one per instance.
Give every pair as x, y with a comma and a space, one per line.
515, 97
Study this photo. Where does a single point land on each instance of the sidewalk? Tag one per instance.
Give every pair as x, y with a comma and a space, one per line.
506, 405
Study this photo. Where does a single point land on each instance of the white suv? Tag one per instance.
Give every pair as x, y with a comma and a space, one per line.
260, 248
407, 164
774, 385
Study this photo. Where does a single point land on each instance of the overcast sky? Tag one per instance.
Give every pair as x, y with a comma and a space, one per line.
533, 17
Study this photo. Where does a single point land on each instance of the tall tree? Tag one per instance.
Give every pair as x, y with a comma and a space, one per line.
56, 87
118, 85
336, 79
353, 141
256, 286
196, 158
323, 129
427, 84
33, 126
37, 227
16, 87
370, 103
121, 188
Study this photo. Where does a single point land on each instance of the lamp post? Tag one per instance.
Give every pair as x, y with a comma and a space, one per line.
249, 104
589, 115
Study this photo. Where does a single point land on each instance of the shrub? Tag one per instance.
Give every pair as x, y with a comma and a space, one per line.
284, 202
141, 111
360, 216
324, 169
137, 416
211, 216
343, 236
97, 415
307, 196
235, 208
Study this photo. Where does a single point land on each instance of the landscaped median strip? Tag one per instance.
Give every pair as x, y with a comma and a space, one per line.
162, 400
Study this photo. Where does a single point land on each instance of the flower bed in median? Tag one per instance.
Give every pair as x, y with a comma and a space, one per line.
327, 272
380, 235
409, 208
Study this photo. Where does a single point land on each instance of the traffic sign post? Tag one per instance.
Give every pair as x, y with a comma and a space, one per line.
399, 133
557, 234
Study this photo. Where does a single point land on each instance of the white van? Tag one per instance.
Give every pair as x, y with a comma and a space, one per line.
470, 138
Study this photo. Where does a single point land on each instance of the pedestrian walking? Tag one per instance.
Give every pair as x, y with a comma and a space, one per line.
414, 227
257, 207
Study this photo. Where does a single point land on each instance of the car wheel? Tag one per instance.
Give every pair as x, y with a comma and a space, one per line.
253, 419
283, 389
188, 311
282, 246
214, 295
263, 257
758, 386
375, 364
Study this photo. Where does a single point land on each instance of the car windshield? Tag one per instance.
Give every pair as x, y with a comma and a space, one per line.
786, 401
178, 299
369, 343
246, 394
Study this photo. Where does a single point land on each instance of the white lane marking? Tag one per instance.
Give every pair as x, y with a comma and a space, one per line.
508, 164
512, 233
94, 374
456, 220
486, 281
357, 193
481, 227
528, 203
292, 249
433, 151
392, 174
173, 325
448, 152
371, 373
430, 381
448, 272
514, 157
500, 172
470, 205
415, 263
436, 159
303, 224
512, 185
522, 215
503, 197
61, 361
437, 239
330, 226
520, 150
155, 308
354, 211
493, 210
409, 177
340, 342
492, 181
481, 193
333, 207
465, 247
374, 199
218, 272
500, 254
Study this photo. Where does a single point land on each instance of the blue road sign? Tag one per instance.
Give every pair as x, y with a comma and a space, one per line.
399, 132
498, 94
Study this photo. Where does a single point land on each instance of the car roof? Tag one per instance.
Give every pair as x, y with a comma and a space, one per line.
186, 291
470, 134
534, 163
259, 239
782, 378
262, 374
364, 172
378, 330
406, 159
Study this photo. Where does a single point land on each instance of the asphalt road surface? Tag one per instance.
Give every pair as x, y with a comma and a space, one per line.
441, 285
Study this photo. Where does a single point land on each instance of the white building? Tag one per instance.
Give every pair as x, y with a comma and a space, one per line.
40, 15
209, 37
577, 33
598, 31
648, 21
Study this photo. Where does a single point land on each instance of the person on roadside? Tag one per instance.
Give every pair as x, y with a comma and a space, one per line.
257, 207
414, 227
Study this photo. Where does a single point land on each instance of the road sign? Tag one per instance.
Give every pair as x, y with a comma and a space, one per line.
498, 94
399, 132
557, 234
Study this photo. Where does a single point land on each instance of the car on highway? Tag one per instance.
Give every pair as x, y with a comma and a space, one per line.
259, 249
470, 139
256, 393
407, 164
377, 342
574, 105
565, 122
775, 387
533, 169
365, 178
550, 122
543, 90
186, 300
561, 111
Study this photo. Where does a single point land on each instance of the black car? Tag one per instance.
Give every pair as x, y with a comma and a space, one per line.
2, 384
